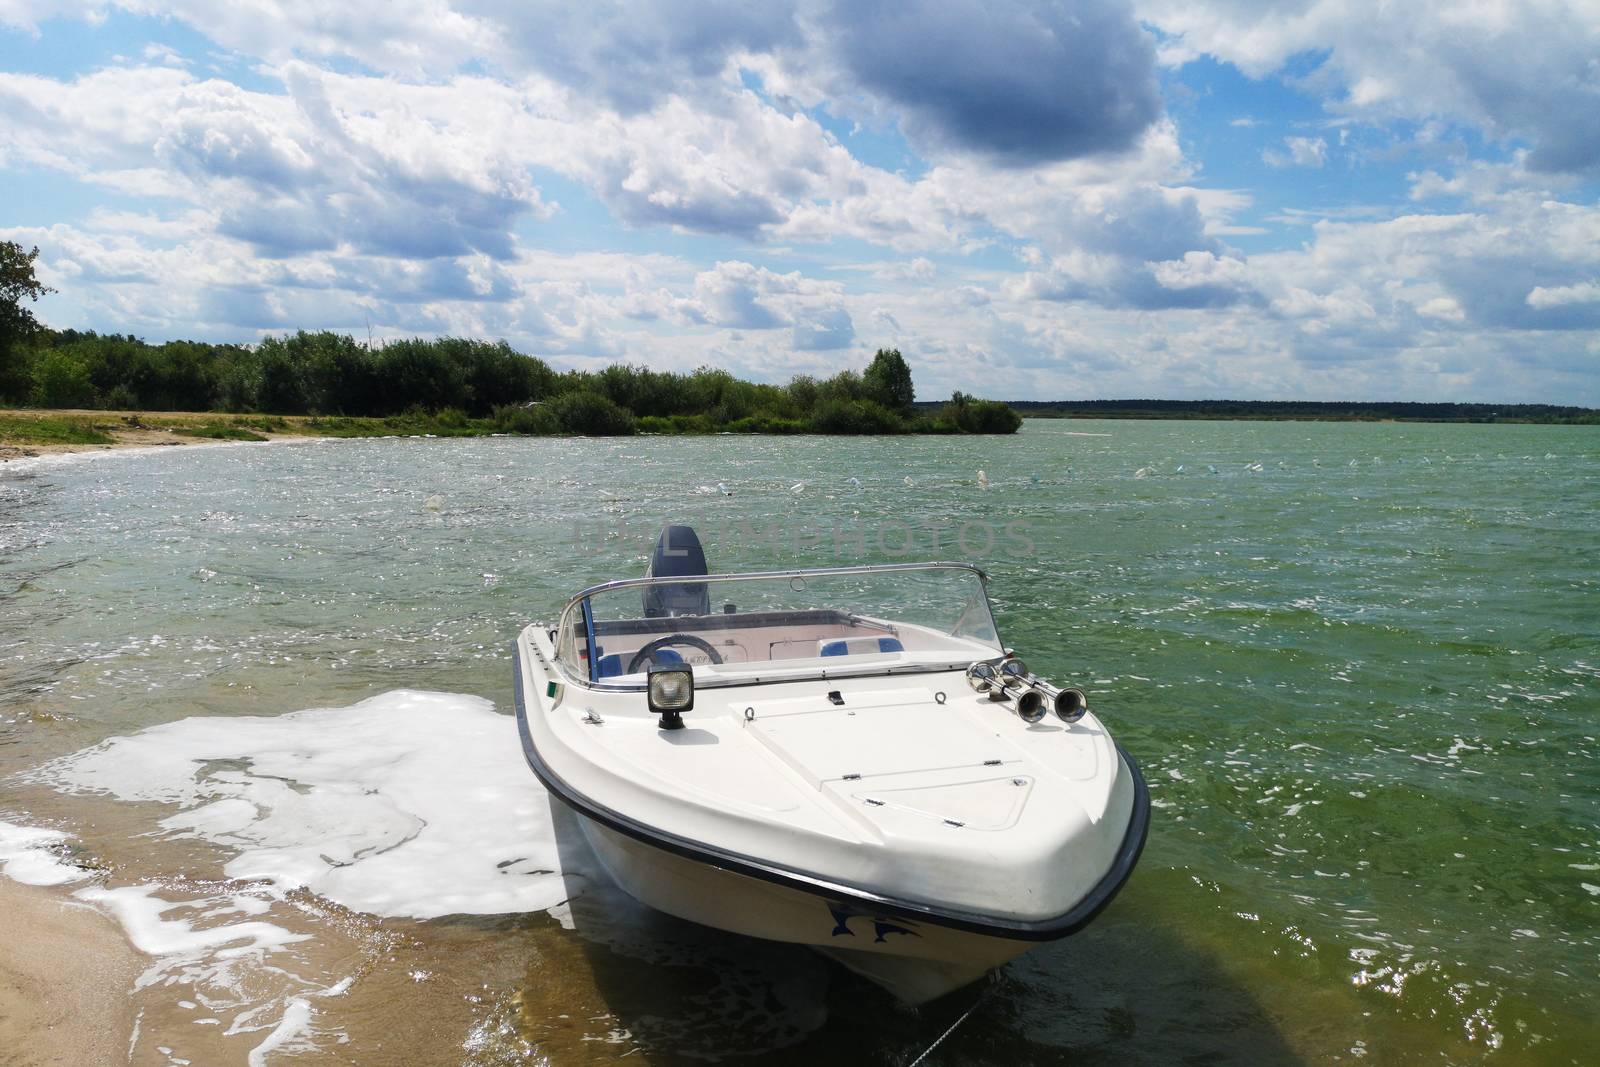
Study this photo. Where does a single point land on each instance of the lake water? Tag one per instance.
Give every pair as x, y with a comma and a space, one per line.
1359, 663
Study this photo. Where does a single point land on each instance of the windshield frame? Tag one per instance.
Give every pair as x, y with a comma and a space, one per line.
576, 614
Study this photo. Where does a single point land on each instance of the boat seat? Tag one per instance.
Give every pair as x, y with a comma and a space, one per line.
858, 645
613, 665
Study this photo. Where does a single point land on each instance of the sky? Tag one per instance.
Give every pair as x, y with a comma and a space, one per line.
1303, 199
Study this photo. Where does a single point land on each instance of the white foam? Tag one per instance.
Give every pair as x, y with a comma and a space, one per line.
292, 1033
244, 968
46, 460
409, 803
140, 912
25, 856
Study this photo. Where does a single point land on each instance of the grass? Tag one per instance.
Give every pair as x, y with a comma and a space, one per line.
46, 429
219, 431
445, 424
42, 427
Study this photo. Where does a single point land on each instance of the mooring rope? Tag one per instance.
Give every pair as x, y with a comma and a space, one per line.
940, 1039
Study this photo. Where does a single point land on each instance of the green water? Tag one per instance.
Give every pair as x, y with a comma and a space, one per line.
1363, 682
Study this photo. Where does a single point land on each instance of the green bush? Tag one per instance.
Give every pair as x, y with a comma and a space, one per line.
926, 424
218, 431
981, 416
971, 415
765, 423
677, 425
854, 417
533, 420
121, 398
592, 415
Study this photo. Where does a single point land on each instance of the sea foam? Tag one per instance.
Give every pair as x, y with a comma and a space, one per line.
406, 804
26, 857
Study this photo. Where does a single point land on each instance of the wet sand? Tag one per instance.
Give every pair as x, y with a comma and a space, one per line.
65, 973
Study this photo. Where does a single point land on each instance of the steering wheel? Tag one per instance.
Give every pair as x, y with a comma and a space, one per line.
671, 639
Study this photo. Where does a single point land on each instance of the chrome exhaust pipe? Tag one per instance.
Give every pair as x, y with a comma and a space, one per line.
1070, 705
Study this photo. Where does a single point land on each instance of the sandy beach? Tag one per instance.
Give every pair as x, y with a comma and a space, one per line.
125, 428
64, 986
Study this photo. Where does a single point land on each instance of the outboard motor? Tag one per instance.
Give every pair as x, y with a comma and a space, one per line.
678, 554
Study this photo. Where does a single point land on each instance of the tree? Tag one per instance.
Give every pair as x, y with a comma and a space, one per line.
888, 381
60, 381
17, 281
17, 324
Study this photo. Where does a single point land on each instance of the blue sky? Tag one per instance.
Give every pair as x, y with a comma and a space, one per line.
1198, 199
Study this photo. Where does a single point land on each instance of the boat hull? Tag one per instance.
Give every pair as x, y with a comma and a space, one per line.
916, 948
915, 961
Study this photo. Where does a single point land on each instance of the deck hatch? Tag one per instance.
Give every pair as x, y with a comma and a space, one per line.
836, 745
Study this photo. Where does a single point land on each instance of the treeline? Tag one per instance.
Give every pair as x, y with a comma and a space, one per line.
332, 374
1407, 411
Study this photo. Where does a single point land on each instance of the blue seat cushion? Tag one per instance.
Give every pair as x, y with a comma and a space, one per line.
841, 648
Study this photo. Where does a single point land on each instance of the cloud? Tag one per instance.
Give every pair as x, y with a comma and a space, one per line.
1018, 83
405, 154
1051, 233
1140, 247
742, 296
1217, 280
1561, 295
199, 284
738, 167
1303, 152
824, 329
317, 167
1514, 69
633, 56
919, 269
736, 294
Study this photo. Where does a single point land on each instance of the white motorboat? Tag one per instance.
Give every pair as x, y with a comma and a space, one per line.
845, 758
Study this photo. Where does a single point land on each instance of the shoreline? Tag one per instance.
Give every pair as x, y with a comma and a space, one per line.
126, 430
35, 433
15, 453
64, 986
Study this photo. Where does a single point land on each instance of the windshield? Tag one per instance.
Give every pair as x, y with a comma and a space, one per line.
919, 616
